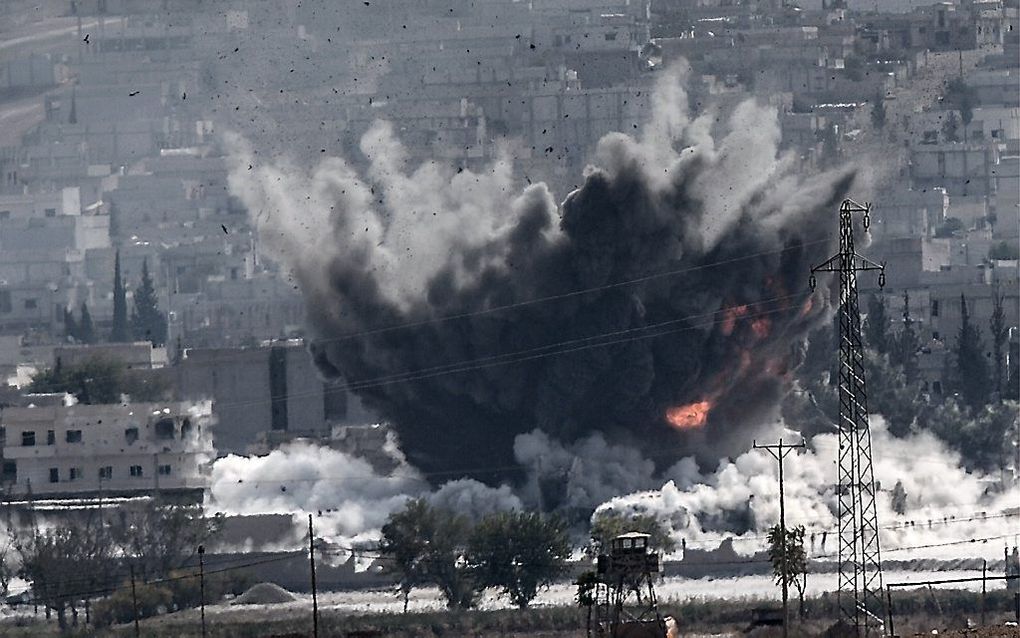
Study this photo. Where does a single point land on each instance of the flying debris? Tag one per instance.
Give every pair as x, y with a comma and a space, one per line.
662, 303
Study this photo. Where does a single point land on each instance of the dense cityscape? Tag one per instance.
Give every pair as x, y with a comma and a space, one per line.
280, 274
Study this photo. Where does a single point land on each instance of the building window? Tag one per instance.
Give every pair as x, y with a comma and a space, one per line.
10, 471
106, 473
28, 438
611, 36
74, 436
54, 475
131, 435
75, 474
136, 470
5, 301
164, 470
5, 214
934, 307
51, 212
165, 429
31, 304
51, 437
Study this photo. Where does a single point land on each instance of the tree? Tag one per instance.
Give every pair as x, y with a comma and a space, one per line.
587, 582
159, 537
148, 322
405, 539
86, 331
518, 553
70, 326
899, 498
971, 368
979, 436
119, 332
1002, 250
609, 525
907, 344
98, 380
876, 327
93, 381
1000, 334
796, 559
891, 393
62, 562
878, 114
444, 536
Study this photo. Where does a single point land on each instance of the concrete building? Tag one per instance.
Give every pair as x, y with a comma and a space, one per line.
52, 451
263, 394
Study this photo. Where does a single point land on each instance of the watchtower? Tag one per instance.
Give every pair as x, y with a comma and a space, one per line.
625, 602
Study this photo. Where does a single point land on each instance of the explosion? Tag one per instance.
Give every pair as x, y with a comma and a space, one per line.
467, 311
690, 416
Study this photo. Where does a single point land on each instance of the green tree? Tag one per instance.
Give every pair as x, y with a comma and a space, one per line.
979, 436
907, 344
86, 330
99, 380
796, 559
587, 582
892, 393
876, 328
119, 332
608, 525
405, 539
148, 322
518, 553
971, 373
94, 381
878, 114
444, 535
1000, 335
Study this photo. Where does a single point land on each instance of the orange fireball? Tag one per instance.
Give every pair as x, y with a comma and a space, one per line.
690, 416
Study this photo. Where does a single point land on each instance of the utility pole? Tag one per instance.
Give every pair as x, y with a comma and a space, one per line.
201, 581
860, 560
311, 560
134, 602
779, 452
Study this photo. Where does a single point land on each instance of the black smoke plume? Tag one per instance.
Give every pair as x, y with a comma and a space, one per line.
419, 284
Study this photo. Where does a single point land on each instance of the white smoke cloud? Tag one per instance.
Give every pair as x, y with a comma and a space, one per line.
350, 499
945, 503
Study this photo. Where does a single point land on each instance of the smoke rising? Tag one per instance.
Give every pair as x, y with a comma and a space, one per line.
351, 499
401, 245
944, 503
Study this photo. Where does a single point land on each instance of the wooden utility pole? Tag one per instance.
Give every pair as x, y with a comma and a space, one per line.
311, 560
779, 452
134, 602
201, 577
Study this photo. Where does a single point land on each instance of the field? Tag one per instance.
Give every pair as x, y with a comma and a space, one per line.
918, 612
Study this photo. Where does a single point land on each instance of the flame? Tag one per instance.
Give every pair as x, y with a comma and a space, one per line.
761, 327
808, 307
690, 416
730, 316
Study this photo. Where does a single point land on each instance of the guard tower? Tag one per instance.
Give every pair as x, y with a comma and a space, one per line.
625, 603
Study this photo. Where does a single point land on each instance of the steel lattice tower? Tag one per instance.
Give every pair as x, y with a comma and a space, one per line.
860, 562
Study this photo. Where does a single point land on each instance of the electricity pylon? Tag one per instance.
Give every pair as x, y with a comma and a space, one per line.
860, 561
